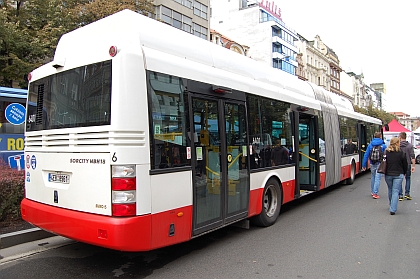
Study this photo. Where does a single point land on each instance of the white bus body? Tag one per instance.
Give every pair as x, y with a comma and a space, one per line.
90, 171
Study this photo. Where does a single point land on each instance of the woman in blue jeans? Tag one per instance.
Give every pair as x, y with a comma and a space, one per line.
396, 168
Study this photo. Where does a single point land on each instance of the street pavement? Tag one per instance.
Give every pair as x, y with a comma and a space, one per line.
15, 238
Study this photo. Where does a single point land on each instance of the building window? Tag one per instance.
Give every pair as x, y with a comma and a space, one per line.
200, 31
176, 19
186, 3
276, 63
277, 48
200, 9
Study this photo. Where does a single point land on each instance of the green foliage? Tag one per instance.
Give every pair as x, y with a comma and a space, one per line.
30, 30
376, 113
12, 183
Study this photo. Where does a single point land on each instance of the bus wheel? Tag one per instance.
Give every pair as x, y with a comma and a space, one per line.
271, 203
350, 180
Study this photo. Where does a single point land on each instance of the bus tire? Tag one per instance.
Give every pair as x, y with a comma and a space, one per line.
350, 180
271, 204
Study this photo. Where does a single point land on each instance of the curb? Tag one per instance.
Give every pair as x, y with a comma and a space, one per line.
11, 239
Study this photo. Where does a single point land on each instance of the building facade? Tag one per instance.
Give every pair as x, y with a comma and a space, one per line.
221, 40
411, 123
320, 65
259, 26
192, 16
380, 92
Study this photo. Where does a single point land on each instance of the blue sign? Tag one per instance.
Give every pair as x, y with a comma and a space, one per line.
16, 161
15, 113
33, 162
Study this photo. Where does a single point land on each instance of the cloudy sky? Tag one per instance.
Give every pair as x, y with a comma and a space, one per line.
377, 37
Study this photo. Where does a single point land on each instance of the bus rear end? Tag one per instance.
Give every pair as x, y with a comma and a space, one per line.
74, 186
87, 160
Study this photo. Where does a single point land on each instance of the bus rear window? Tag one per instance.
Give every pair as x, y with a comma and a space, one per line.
79, 97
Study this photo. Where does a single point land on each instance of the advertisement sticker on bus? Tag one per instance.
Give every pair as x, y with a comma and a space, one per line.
28, 161
33, 162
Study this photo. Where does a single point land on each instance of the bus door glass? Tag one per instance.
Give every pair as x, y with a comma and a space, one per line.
308, 152
221, 186
363, 142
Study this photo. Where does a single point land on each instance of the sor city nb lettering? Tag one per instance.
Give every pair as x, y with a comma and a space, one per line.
87, 161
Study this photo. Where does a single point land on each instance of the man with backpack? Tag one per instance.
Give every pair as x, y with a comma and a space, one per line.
374, 153
407, 148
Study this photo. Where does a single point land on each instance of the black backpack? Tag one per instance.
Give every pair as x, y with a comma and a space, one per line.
376, 153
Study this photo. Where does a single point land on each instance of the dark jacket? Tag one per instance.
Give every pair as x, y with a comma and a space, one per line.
374, 142
350, 148
408, 149
279, 155
396, 163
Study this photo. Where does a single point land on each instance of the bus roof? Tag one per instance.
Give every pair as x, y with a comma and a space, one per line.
166, 49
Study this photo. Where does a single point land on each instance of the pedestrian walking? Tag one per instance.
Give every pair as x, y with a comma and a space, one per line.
374, 153
408, 150
396, 169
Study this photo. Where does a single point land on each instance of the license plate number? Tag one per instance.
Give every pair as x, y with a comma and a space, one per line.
59, 178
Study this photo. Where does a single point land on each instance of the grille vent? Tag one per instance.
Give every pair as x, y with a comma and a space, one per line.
39, 104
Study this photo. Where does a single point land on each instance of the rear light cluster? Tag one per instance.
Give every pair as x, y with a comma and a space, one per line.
123, 190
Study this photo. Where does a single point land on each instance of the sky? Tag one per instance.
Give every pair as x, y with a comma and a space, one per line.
378, 38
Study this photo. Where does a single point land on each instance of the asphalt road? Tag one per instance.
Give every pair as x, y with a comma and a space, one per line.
340, 232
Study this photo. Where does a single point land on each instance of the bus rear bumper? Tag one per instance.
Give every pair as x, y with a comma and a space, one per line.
118, 233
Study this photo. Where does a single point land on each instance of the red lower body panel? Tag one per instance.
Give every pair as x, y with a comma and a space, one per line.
140, 233
255, 197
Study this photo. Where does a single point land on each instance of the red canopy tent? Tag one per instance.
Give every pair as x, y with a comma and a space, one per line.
395, 128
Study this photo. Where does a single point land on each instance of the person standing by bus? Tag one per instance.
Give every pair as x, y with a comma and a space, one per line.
279, 154
350, 147
396, 169
408, 150
374, 153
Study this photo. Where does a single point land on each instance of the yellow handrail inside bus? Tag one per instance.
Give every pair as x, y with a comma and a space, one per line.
230, 165
212, 171
234, 160
312, 159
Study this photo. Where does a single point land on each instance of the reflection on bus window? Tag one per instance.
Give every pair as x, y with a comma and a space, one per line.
169, 139
269, 122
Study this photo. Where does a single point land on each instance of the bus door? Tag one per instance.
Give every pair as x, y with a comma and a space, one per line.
307, 153
221, 178
363, 142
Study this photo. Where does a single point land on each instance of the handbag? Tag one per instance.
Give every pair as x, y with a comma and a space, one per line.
382, 165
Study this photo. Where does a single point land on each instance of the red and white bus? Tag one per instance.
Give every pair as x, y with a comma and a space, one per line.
145, 136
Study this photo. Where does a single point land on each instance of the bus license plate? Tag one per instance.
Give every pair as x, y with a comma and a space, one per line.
59, 178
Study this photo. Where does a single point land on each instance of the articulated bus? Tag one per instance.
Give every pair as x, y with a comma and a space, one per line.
145, 136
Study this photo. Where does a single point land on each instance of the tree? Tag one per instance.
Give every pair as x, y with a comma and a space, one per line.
376, 113
91, 11
30, 30
14, 47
